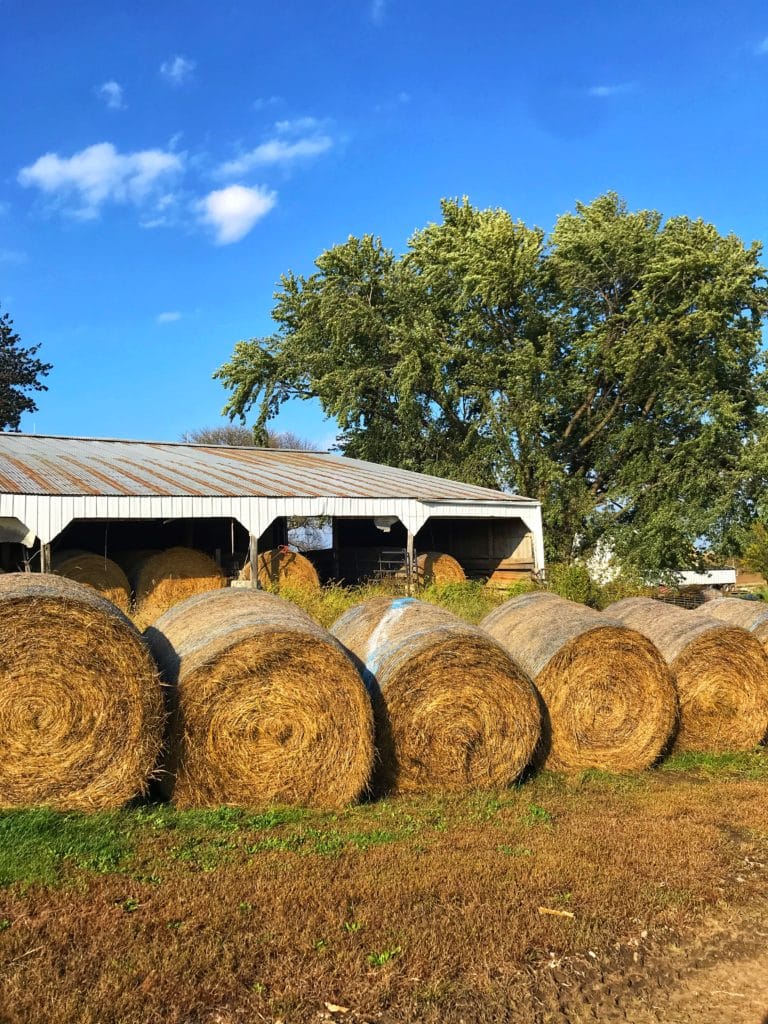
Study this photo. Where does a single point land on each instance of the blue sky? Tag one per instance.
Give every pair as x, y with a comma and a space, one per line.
163, 163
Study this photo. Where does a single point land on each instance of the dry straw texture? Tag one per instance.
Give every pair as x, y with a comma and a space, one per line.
720, 671
750, 615
97, 571
436, 567
81, 714
608, 698
278, 567
268, 706
170, 577
453, 711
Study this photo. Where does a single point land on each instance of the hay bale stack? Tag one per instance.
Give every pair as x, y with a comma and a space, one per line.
453, 711
720, 671
97, 571
170, 577
438, 568
608, 700
268, 707
281, 566
750, 615
81, 714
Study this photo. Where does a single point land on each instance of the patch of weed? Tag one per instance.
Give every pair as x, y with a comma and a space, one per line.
384, 957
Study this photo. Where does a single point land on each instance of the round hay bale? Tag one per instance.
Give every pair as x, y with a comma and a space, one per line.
97, 571
268, 707
608, 698
172, 576
453, 711
81, 711
282, 566
439, 568
130, 560
720, 672
750, 615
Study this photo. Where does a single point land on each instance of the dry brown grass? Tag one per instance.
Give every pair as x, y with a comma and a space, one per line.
415, 911
721, 674
267, 706
282, 567
80, 705
452, 710
608, 698
750, 615
169, 577
97, 571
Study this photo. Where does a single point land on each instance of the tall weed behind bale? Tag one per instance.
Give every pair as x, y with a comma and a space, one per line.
609, 701
720, 671
81, 712
453, 711
267, 706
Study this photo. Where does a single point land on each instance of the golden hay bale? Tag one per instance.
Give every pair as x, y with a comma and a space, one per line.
268, 706
608, 698
750, 615
170, 577
453, 711
720, 671
436, 567
130, 560
97, 571
283, 566
81, 714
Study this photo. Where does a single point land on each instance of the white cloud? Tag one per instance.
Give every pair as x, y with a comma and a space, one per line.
112, 94
377, 11
233, 211
604, 91
100, 174
266, 101
297, 125
168, 318
12, 256
275, 151
177, 70
762, 47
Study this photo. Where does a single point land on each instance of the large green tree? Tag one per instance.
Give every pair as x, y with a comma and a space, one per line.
612, 369
20, 374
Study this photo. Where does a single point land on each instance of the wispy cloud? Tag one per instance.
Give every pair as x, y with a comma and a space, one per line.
168, 318
275, 151
602, 92
12, 256
178, 69
297, 125
232, 212
112, 94
762, 48
401, 99
100, 174
262, 102
377, 10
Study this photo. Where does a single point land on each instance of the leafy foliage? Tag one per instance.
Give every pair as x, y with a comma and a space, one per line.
20, 373
612, 370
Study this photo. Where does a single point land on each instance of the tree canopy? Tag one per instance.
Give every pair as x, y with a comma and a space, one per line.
20, 373
232, 435
612, 369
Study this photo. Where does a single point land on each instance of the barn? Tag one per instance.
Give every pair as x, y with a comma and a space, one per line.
107, 496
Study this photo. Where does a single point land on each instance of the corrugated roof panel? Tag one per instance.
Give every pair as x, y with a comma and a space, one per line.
30, 464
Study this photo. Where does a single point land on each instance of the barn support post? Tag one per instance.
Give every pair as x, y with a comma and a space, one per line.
45, 558
253, 557
335, 548
409, 565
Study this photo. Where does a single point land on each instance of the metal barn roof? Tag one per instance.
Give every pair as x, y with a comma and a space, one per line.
74, 466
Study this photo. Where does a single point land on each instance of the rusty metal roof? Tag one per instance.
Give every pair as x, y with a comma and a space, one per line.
31, 464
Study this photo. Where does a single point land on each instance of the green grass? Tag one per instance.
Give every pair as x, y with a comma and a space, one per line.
38, 845
748, 765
